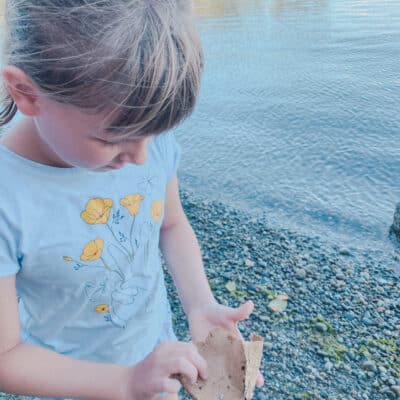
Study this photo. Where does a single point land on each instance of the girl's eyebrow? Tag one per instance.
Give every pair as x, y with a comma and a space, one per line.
105, 135
112, 137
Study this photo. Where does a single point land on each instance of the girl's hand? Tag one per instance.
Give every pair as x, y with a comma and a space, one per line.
204, 319
155, 374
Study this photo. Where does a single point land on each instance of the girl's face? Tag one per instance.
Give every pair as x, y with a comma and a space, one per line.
69, 137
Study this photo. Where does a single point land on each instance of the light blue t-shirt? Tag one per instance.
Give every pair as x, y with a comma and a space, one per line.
84, 248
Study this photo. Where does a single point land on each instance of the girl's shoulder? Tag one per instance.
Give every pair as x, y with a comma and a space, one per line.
10, 173
166, 152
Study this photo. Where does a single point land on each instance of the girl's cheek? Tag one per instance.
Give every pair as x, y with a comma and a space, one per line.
87, 156
103, 155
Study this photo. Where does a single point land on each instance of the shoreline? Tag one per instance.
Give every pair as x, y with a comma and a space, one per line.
339, 336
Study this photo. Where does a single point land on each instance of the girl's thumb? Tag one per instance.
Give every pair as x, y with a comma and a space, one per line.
242, 312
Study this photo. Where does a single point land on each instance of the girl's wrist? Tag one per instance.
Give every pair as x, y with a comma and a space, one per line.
123, 385
193, 308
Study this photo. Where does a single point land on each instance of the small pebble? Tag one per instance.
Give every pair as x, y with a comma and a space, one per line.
349, 315
328, 366
320, 327
301, 273
396, 390
368, 366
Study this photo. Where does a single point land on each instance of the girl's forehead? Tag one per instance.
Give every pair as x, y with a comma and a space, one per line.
96, 121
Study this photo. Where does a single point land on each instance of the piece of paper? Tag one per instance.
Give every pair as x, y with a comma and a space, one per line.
232, 367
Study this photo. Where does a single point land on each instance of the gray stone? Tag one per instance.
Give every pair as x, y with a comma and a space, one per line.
268, 346
328, 366
389, 393
340, 276
368, 366
396, 390
320, 327
349, 315
345, 252
301, 273
395, 228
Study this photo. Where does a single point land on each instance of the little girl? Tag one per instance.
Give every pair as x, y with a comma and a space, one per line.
88, 196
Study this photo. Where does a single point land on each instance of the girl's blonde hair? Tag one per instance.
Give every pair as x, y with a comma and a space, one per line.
137, 61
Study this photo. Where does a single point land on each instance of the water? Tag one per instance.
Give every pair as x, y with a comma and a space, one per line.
298, 117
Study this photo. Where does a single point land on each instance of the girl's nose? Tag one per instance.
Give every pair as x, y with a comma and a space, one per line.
135, 152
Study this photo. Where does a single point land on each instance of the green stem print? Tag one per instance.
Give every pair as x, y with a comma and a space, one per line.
113, 270
124, 249
115, 259
131, 237
79, 265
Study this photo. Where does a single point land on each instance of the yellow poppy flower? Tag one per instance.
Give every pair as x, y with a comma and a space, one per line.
102, 308
93, 250
97, 211
156, 210
68, 259
132, 203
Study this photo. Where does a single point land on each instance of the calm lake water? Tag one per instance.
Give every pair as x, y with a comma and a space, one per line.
298, 117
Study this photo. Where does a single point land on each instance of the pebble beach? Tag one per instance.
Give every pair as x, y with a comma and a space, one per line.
337, 336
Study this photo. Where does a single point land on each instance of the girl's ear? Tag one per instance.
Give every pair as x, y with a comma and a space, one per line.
23, 90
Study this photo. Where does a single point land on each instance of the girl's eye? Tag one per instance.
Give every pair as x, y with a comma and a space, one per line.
106, 143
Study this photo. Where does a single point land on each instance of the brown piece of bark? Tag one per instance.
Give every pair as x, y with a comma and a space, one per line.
232, 367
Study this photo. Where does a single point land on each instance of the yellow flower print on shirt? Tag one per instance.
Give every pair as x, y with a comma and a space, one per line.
97, 211
156, 210
102, 308
122, 235
132, 203
93, 250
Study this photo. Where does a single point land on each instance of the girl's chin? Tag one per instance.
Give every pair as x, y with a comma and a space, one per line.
109, 167
117, 166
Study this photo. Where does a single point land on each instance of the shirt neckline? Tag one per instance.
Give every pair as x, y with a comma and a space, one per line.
15, 157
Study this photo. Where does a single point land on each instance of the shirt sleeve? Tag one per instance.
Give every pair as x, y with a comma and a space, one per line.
172, 154
9, 260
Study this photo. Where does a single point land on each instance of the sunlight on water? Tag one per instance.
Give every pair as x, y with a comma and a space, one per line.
212, 8
1, 11
219, 9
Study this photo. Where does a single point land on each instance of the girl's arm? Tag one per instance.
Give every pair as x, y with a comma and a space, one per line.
182, 254
33, 371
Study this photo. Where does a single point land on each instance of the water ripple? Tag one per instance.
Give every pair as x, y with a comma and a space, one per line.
298, 116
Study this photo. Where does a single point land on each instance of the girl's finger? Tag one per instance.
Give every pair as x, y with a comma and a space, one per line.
260, 380
170, 385
241, 313
183, 366
183, 358
199, 362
